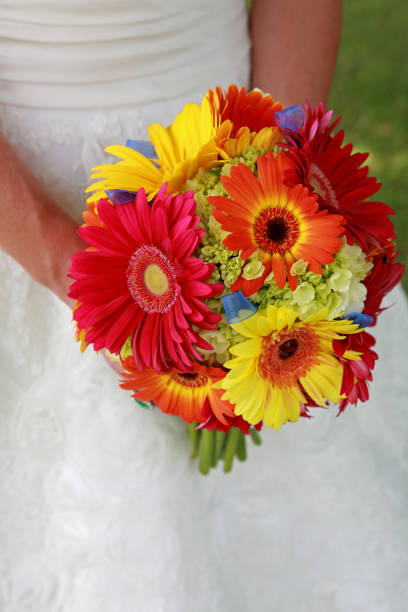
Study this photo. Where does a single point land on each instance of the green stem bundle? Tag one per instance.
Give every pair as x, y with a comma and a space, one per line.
210, 447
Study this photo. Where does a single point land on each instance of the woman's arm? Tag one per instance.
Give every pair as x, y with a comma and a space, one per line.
33, 229
294, 48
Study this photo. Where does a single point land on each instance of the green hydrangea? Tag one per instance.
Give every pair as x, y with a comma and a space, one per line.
228, 263
206, 183
249, 158
339, 287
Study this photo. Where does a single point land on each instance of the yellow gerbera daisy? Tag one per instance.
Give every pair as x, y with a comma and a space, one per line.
283, 362
182, 149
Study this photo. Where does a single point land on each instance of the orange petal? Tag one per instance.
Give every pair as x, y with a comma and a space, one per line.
279, 270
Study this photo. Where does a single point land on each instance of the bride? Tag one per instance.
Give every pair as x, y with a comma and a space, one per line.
101, 511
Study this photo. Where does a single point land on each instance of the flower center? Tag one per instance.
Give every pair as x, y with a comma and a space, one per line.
321, 184
152, 280
287, 355
276, 230
288, 348
155, 279
190, 379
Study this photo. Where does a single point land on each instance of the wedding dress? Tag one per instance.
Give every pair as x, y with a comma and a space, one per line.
101, 508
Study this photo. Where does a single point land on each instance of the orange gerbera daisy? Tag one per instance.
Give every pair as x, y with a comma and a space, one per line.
282, 223
91, 216
185, 394
243, 119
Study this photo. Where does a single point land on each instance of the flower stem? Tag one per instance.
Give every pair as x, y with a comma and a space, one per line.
230, 448
214, 458
194, 436
255, 436
241, 447
206, 450
220, 440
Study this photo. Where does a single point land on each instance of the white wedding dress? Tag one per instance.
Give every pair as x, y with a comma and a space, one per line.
101, 509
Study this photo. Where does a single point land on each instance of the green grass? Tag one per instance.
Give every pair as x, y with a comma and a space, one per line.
370, 91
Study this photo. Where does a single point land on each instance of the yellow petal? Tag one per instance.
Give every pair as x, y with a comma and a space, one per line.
240, 369
248, 348
263, 326
312, 389
318, 316
286, 318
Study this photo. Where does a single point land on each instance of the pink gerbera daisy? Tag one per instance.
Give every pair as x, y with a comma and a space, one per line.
337, 176
139, 279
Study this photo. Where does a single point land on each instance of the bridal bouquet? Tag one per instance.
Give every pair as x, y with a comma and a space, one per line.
234, 264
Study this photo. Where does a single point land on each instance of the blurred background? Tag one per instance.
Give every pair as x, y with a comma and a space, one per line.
370, 92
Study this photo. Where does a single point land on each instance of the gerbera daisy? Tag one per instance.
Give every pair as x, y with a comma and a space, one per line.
283, 362
243, 119
253, 109
90, 215
383, 277
358, 360
282, 223
182, 149
140, 278
189, 395
338, 178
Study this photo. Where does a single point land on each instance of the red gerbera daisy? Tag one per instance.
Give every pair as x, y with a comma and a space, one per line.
140, 278
282, 223
383, 277
356, 372
329, 169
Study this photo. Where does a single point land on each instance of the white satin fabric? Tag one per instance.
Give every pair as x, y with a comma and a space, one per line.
76, 54
101, 508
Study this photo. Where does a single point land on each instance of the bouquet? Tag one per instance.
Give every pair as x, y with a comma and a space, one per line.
234, 263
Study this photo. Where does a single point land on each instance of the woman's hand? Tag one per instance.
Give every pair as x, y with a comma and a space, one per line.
34, 230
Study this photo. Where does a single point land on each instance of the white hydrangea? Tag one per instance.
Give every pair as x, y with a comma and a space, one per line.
353, 258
